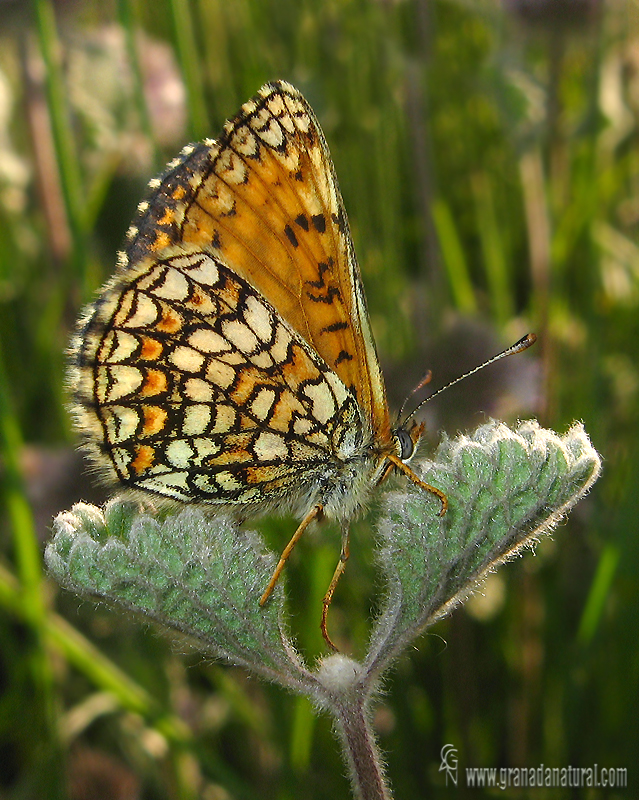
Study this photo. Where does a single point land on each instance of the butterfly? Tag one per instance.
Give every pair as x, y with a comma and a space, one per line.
230, 361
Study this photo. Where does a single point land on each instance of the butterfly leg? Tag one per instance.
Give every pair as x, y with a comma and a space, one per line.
339, 569
397, 462
315, 512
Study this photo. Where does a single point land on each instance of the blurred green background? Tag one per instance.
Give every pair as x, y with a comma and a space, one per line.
488, 156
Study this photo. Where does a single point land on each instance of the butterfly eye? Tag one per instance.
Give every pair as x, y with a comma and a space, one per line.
405, 444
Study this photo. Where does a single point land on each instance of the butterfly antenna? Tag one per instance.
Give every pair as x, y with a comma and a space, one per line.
424, 381
523, 344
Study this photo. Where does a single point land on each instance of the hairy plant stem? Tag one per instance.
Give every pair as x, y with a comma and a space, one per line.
360, 750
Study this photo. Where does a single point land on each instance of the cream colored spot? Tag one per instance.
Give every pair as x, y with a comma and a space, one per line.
225, 417
263, 403
302, 426
310, 200
233, 167
245, 143
249, 495
290, 159
323, 404
241, 336
275, 105
121, 459
196, 419
340, 391
287, 122
171, 484
198, 391
115, 382
258, 318
206, 484
227, 481
205, 448
222, 202
179, 453
118, 346
121, 423
262, 360
208, 341
200, 268
186, 359
303, 121
268, 129
269, 447
233, 357
279, 350
174, 287
220, 374
142, 311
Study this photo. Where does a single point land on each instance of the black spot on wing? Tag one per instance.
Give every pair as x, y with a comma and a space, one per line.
336, 326
327, 298
343, 356
340, 220
302, 222
290, 235
319, 222
322, 267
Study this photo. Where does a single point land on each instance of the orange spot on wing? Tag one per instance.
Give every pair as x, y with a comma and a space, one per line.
167, 218
198, 297
145, 456
151, 349
170, 322
154, 383
154, 419
162, 240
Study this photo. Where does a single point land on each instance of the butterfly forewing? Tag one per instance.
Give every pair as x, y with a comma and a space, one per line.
265, 201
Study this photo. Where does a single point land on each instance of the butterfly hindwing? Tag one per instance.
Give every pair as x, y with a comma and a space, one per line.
264, 200
197, 389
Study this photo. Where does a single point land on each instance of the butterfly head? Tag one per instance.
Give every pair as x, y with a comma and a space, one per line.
406, 439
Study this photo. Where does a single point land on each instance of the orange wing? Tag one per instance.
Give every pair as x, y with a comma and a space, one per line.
264, 200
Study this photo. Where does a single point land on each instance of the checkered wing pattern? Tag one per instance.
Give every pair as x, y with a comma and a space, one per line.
201, 391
